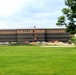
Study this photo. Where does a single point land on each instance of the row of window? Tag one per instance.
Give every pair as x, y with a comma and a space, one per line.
58, 30
25, 30
16, 31
8, 38
8, 31
29, 35
57, 34
38, 38
18, 38
58, 38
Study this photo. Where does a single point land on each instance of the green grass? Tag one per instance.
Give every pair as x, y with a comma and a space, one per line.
34, 60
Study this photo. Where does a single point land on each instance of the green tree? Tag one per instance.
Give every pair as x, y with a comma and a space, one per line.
69, 16
73, 39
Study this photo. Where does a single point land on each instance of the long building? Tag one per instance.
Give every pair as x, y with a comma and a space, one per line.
34, 34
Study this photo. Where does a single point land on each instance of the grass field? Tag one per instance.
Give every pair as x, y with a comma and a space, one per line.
34, 60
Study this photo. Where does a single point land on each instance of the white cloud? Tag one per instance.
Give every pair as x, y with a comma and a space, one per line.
3, 25
27, 13
8, 7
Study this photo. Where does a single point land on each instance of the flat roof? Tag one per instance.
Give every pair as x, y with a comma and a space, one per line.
32, 29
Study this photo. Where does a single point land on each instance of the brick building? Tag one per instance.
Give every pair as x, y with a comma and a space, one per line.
34, 34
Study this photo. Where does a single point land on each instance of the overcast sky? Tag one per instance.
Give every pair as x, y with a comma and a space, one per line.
29, 13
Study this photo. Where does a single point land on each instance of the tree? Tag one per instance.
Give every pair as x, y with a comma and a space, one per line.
69, 16
73, 39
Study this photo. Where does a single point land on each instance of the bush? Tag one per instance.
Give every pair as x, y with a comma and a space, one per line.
73, 39
20, 44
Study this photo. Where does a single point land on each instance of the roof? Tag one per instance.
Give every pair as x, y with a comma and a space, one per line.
33, 29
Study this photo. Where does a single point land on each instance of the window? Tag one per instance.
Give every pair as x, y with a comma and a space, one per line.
20, 30
23, 30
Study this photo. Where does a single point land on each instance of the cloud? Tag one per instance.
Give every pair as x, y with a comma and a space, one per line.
27, 13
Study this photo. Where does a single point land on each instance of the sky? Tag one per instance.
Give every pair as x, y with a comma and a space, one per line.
16, 14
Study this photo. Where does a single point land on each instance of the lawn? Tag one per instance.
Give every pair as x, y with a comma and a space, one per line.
34, 60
